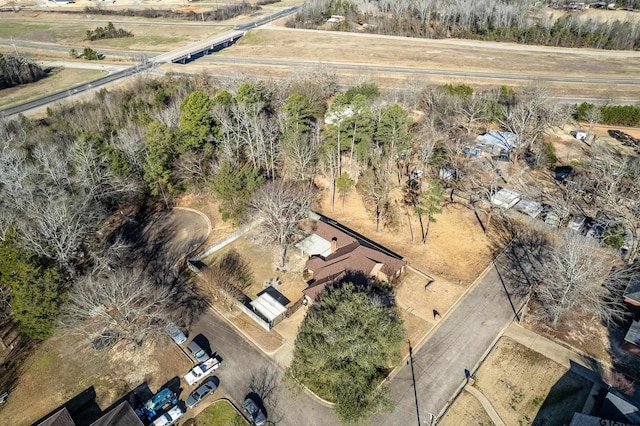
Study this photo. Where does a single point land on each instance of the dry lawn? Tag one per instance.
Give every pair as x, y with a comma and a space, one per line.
456, 249
48, 28
524, 387
63, 367
277, 42
59, 79
466, 411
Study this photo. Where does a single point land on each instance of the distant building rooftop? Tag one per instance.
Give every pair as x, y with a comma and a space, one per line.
505, 198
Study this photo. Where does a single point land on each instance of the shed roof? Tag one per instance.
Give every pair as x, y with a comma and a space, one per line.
268, 306
530, 208
506, 198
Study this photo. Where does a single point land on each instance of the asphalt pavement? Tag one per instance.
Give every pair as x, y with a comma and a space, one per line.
245, 368
459, 342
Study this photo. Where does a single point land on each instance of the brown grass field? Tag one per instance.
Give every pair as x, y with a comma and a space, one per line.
522, 386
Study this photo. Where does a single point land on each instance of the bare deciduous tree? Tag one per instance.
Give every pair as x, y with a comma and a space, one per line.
281, 206
123, 303
375, 186
566, 272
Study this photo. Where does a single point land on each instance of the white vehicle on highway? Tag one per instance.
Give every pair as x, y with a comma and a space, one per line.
201, 371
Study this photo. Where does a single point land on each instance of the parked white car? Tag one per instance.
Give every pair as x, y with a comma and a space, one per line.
169, 418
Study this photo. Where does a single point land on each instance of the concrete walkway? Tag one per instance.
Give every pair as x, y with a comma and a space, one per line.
495, 418
564, 356
554, 351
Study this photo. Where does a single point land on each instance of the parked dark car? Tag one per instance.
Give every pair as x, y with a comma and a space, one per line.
206, 389
257, 416
198, 353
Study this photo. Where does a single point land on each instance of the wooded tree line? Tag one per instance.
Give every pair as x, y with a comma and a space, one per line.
622, 115
495, 20
16, 70
220, 13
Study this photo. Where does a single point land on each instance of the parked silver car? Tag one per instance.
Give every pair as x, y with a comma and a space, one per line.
176, 334
169, 418
198, 353
206, 389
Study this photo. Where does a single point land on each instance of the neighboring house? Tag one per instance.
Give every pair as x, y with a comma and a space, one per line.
120, 415
505, 198
632, 296
496, 142
632, 292
335, 250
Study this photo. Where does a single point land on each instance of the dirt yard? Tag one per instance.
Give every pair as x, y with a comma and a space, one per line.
63, 367
524, 387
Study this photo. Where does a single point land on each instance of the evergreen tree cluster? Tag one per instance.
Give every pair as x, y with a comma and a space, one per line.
16, 70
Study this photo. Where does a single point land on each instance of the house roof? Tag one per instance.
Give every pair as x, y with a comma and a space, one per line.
350, 255
61, 418
633, 289
580, 419
121, 415
268, 306
616, 407
503, 140
633, 334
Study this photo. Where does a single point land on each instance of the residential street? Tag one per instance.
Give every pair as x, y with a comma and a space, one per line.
458, 343
241, 360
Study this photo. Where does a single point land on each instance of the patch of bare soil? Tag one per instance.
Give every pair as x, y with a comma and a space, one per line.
586, 333
571, 150
64, 367
466, 411
524, 387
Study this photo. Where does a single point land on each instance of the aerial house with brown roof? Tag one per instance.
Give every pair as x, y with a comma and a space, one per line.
333, 249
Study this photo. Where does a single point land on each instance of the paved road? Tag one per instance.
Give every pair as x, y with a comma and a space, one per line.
241, 360
458, 343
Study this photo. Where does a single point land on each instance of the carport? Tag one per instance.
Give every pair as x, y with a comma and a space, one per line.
269, 307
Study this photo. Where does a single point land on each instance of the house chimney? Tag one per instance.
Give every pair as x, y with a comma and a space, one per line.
334, 244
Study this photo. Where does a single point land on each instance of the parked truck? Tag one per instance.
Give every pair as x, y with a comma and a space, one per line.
202, 370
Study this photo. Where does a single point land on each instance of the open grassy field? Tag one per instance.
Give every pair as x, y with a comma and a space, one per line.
45, 28
331, 46
525, 388
58, 79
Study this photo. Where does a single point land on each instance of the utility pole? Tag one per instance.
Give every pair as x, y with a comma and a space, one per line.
413, 376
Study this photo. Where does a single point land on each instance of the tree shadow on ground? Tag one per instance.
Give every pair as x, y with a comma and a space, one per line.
17, 350
567, 396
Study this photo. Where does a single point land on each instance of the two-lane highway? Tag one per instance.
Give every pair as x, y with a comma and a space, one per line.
180, 54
